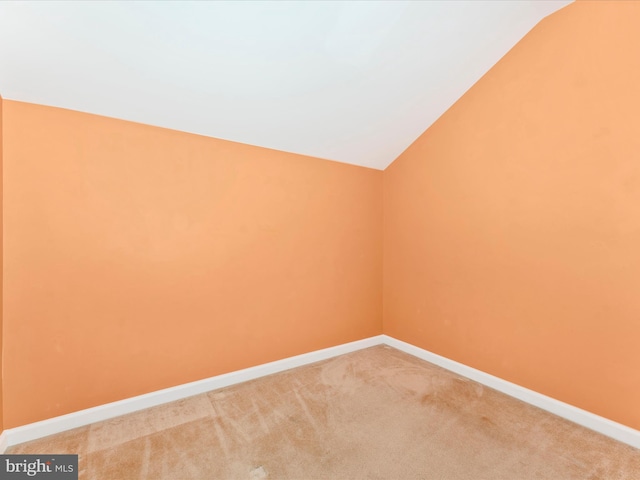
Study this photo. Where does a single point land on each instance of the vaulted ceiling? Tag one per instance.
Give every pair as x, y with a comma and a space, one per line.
355, 82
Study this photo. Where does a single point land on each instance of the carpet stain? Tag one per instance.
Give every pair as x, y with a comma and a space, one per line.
258, 473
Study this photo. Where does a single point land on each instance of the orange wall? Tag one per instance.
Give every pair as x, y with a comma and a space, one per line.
512, 225
138, 258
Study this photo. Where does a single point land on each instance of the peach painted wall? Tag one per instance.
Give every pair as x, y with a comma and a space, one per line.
512, 225
138, 258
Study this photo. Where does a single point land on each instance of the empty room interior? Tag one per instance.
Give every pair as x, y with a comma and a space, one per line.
320, 240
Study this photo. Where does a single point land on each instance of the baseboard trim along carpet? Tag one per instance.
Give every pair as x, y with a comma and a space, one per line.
602, 425
33, 431
4, 444
81, 418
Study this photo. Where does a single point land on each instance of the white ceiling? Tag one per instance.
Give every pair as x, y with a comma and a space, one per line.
355, 82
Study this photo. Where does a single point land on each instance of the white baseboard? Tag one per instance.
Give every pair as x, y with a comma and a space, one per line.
590, 420
81, 418
3, 442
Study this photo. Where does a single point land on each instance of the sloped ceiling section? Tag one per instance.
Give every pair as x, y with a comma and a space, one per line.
354, 82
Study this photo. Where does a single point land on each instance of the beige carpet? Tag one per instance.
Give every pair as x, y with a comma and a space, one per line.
376, 414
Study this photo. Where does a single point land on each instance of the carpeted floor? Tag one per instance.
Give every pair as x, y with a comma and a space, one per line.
373, 414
